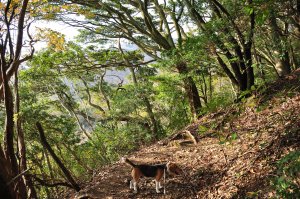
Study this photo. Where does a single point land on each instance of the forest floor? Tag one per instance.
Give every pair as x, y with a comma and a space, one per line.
234, 155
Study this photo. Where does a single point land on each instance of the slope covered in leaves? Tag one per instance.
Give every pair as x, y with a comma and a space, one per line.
235, 155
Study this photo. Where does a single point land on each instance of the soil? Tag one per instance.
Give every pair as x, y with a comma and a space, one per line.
234, 155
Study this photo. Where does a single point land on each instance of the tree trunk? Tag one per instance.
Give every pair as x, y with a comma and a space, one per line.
78, 159
5, 190
56, 159
10, 49
281, 53
16, 186
152, 118
102, 91
241, 74
249, 68
47, 159
39, 164
155, 125
9, 125
68, 106
190, 89
154, 122
283, 65
21, 145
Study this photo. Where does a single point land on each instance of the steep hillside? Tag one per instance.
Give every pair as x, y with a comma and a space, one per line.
234, 154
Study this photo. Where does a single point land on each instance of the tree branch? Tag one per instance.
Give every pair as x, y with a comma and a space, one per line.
68, 175
89, 96
48, 184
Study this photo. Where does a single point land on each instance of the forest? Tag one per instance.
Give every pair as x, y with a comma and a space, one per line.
213, 85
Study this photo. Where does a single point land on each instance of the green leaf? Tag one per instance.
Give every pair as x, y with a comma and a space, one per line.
234, 136
202, 129
248, 10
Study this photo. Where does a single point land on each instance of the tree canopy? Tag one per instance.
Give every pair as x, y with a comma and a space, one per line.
138, 71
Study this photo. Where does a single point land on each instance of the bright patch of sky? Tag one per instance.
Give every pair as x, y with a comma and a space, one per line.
69, 31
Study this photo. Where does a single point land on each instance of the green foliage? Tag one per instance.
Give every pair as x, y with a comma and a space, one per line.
171, 105
121, 140
202, 129
286, 183
220, 100
93, 111
53, 92
228, 139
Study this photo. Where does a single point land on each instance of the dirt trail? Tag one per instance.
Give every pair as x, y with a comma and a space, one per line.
240, 166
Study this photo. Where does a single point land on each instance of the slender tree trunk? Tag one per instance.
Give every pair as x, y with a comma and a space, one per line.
249, 68
190, 89
204, 89
149, 108
210, 85
56, 159
43, 175
154, 122
152, 118
259, 64
17, 186
281, 53
9, 125
101, 89
96, 106
294, 62
72, 112
21, 144
80, 125
78, 159
51, 172
48, 164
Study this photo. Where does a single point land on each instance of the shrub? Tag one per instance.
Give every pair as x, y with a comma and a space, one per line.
288, 176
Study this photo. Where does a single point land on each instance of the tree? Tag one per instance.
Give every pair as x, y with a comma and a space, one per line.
154, 122
57, 160
148, 24
229, 40
278, 35
12, 23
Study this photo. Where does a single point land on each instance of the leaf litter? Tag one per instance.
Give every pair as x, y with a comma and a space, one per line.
233, 155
